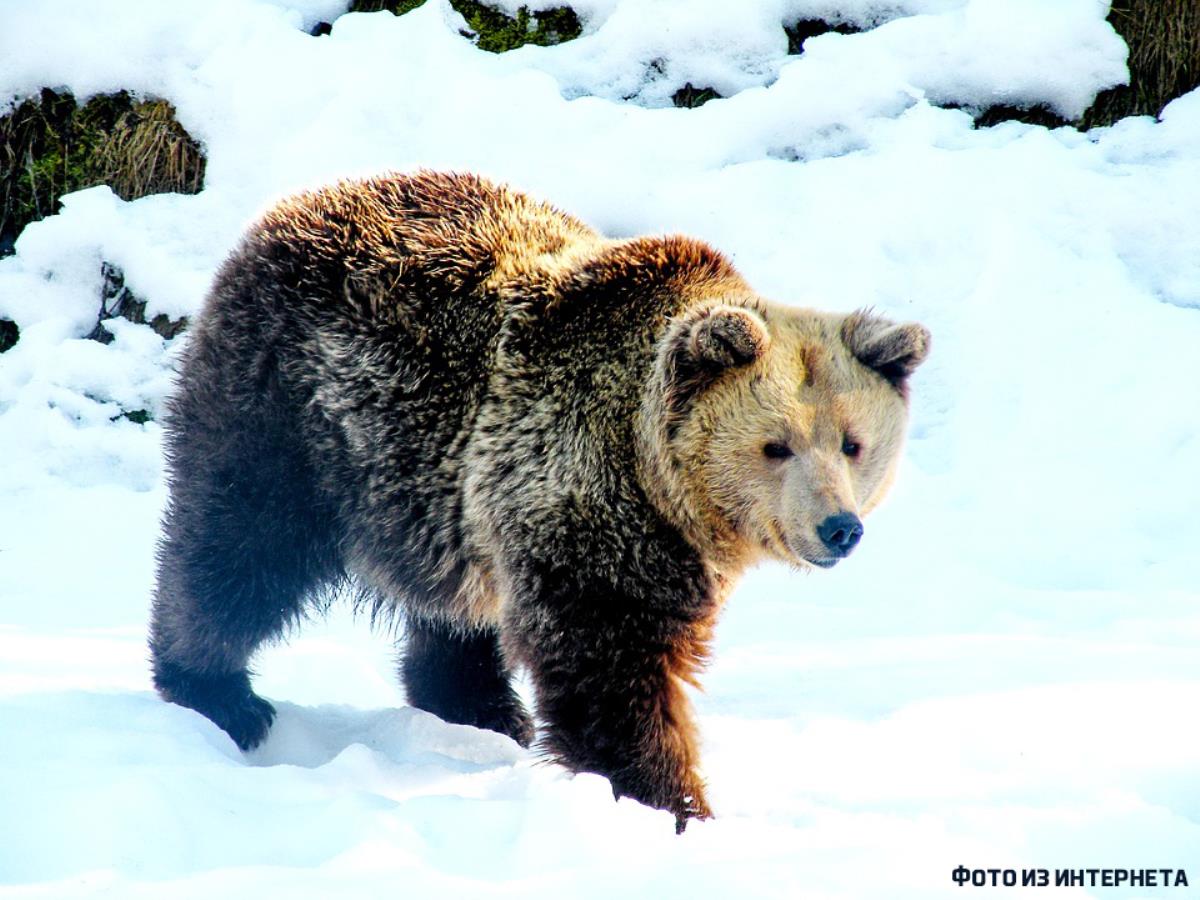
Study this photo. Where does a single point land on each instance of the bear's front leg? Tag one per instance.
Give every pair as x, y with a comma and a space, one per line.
609, 675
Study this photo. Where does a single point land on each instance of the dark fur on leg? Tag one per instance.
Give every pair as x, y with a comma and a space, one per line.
460, 676
619, 709
247, 538
609, 660
228, 700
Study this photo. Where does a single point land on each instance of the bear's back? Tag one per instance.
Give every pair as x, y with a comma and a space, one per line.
392, 284
362, 321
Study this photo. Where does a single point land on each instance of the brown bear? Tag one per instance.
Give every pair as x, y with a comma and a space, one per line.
546, 448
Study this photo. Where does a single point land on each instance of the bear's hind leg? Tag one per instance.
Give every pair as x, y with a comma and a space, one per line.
246, 539
460, 676
223, 589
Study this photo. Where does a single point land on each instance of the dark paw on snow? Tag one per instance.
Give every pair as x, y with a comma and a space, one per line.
512, 721
248, 722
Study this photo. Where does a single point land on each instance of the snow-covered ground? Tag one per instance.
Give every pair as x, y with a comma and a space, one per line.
1006, 674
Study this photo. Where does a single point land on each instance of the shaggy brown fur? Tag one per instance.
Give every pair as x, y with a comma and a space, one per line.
549, 449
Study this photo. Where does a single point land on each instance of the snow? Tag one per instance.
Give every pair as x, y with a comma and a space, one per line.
1004, 675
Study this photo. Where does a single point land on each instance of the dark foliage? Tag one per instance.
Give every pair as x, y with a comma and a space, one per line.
690, 96
9, 333
492, 29
117, 300
802, 29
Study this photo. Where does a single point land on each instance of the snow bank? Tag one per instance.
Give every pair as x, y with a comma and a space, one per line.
1002, 676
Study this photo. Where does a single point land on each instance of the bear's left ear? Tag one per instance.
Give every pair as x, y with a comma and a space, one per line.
892, 350
706, 342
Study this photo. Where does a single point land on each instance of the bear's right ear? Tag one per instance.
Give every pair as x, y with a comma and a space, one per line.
706, 342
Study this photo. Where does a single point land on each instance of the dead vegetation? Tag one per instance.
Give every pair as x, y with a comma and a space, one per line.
50, 146
1164, 58
148, 152
494, 30
116, 299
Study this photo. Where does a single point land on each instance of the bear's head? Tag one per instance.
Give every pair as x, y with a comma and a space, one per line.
775, 430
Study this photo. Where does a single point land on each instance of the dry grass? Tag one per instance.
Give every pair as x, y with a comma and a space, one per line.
148, 152
1164, 57
50, 146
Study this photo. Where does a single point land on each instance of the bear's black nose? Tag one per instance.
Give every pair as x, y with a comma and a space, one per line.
840, 533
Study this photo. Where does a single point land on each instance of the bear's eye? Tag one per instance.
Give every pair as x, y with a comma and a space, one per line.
851, 447
775, 450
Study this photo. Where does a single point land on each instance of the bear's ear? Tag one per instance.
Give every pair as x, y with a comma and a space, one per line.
706, 342
892, 350
722, 337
